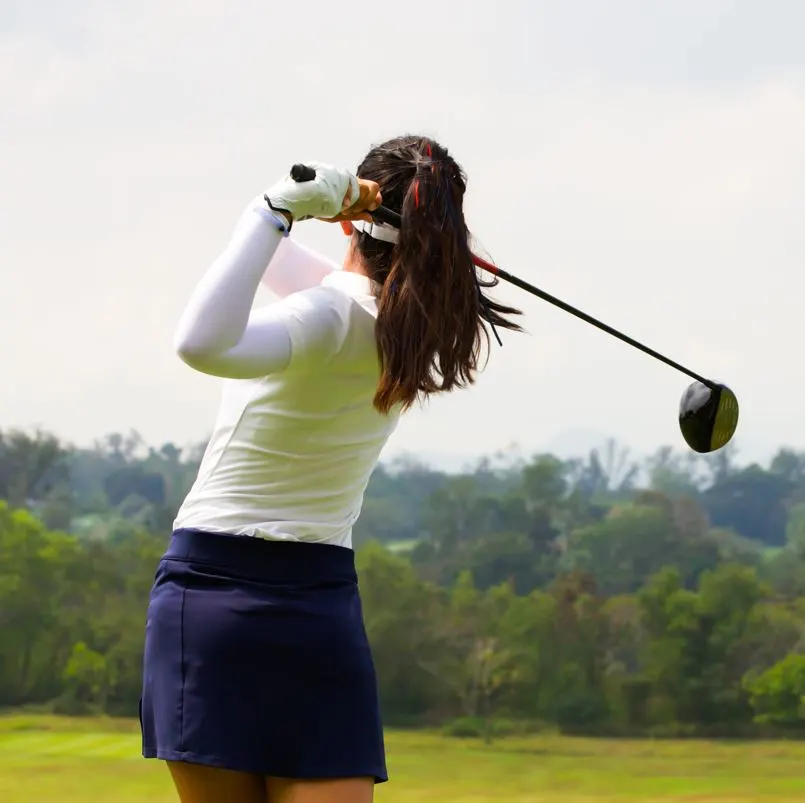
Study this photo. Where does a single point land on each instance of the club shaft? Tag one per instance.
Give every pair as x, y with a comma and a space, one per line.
385, 215
535, 291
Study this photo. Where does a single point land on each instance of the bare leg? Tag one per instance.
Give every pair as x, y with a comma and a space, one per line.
338, 790
199, 784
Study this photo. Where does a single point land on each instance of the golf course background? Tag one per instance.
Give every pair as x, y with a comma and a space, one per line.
90, 760
542, 628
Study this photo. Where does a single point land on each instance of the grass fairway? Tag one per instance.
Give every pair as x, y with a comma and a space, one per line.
44, 759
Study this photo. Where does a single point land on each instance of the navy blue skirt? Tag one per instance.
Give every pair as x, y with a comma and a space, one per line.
256, 659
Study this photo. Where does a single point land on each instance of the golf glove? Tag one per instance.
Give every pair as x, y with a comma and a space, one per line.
322, 197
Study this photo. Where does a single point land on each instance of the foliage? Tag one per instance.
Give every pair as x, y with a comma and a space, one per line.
778, 694
531, 591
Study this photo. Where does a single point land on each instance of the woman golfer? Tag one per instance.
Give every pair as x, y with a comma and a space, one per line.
259, 684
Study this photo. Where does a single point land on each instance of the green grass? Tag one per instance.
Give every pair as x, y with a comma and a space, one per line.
45, 759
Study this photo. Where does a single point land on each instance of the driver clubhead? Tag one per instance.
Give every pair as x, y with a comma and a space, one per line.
708, 417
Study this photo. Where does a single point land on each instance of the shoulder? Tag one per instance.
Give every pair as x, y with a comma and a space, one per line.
318, 320
319, 306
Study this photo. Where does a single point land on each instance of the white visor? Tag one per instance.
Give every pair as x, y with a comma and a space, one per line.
377, 231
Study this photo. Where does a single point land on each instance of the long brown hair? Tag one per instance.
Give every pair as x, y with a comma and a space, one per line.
432, 311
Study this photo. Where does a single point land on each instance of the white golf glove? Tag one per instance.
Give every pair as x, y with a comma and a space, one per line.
328, 194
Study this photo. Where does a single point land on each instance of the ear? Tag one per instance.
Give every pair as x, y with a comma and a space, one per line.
347, 228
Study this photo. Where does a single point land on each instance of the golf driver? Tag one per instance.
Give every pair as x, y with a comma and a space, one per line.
708, 410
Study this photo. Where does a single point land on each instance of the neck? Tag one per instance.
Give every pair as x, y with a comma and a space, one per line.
353, 263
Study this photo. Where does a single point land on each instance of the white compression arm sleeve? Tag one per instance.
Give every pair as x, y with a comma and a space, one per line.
218, 334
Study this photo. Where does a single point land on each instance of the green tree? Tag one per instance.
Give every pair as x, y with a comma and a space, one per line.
752, 502
403, 617
31, 466
85, 680
778, 694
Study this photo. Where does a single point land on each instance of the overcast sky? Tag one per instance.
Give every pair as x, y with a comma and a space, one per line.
643, 159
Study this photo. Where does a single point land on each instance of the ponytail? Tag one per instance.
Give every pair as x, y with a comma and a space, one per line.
431, 310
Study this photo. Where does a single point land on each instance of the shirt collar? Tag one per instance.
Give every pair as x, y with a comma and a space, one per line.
353, 284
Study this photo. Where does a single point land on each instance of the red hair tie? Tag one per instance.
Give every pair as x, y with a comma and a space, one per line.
429, 151
416, 193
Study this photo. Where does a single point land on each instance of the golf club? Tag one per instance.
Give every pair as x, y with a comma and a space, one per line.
708, 410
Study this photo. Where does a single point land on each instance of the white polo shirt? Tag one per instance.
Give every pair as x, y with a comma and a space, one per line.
293, 446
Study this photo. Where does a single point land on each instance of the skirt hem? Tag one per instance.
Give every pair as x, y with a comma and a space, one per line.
187, 757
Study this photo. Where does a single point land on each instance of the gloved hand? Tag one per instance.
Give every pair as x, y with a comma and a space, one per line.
333, 190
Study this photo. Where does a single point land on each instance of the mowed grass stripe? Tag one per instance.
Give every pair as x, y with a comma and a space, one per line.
618, 779
73, 745
45, 759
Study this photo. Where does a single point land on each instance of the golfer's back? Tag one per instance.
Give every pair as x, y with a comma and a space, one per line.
291, 454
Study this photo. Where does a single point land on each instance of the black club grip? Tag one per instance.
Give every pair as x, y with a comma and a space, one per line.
300, 173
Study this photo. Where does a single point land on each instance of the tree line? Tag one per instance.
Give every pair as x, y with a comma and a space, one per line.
600, 595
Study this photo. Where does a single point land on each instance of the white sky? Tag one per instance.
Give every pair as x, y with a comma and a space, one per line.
643, 159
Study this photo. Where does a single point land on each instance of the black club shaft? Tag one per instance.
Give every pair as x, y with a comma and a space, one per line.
302, 172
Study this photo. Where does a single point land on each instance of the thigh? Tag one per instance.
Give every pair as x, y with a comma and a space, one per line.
199, 784
337, 790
